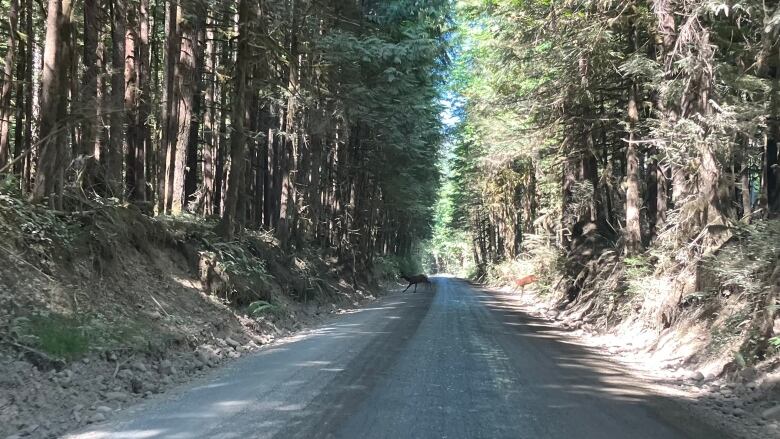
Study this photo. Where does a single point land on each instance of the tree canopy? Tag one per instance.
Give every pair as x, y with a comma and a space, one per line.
317, 120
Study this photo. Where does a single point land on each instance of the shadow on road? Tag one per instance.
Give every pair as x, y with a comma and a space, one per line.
455, 362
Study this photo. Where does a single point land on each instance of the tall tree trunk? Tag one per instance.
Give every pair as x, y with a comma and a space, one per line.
287, 211
219, 159
34, 98
186, 86
238, 136
633, 201
133, 140
89, 82
50, 172
268, 179
118, 116
23, 135
168, 139
7, 83
144, 147
22, 64
209, 125
191, 174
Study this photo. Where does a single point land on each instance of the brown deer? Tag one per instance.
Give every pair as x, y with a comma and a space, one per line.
416, 279
523, 281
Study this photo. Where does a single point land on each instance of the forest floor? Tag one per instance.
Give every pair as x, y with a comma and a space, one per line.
748, 402
103, 309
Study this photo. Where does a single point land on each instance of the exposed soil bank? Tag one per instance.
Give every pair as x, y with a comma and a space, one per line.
101, 309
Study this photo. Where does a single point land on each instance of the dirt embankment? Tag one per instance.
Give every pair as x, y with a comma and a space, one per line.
702, 318
101, 308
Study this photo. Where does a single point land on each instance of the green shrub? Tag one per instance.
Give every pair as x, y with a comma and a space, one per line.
57, 335
258, 307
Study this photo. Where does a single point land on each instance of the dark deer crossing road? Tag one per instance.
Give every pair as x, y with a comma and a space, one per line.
454, 362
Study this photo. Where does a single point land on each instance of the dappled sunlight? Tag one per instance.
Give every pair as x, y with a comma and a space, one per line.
574, 371
129, 434
211, 386
232, 404
474, 356
312, 363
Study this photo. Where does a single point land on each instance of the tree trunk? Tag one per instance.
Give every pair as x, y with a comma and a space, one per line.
168, 139
49, 178
22, 64
23, 141
133, 142
652, 185
191, 174
238, 136
34, 98
287, 211
186, 87
7, 83
144, 146
209, 126
89, 84
633, 202
118, 115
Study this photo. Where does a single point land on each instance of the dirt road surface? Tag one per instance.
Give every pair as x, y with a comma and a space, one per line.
455, 362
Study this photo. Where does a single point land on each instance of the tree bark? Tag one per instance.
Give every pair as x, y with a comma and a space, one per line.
168, 139
287, 211
185, 86
25, 136
7, 83
209, 126
238, 136
49, 178
133, 139
633, 200
144, 146
191, 174
118, 114
89, 84
22, 64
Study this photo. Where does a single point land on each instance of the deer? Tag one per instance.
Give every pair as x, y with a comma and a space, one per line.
416, 279
523, 281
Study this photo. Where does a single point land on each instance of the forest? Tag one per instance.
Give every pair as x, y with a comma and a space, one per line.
317, 120
183, 182
626, 151
635, 138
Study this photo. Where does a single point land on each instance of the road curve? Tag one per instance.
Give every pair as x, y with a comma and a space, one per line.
457, 362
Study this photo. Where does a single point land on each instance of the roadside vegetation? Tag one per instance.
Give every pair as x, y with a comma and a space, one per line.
182, 182
624, 152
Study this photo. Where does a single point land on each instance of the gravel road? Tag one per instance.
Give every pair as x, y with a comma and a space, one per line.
455, 362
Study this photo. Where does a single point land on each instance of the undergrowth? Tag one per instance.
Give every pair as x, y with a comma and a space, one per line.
744, 265
71, 337
391, 267
539, 257
33, 228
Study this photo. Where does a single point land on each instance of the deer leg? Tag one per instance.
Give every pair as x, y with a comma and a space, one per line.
407, 287
415, 288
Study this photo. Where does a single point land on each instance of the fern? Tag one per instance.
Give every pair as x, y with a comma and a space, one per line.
258, 307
